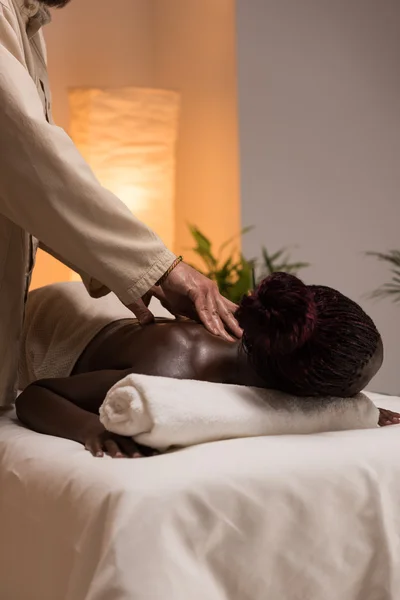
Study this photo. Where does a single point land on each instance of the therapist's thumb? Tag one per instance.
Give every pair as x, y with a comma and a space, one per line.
141, 312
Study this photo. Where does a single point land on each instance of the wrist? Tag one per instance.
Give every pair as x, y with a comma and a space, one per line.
168, 272
90, 426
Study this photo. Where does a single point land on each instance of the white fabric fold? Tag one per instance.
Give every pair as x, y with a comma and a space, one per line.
162, 413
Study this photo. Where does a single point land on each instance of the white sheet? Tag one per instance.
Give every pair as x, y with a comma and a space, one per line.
280, 518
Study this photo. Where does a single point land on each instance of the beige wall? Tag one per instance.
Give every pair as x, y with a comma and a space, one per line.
187, 45
91, 45
319, 96
195, 53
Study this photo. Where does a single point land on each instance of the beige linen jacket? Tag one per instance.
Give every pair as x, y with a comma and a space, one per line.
49, 193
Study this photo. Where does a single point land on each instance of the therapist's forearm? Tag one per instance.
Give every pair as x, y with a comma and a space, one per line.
49, 190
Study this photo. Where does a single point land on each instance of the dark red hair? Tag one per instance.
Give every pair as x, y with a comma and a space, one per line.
308, 340
55, 3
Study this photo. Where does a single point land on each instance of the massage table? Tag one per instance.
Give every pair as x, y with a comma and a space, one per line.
313, 517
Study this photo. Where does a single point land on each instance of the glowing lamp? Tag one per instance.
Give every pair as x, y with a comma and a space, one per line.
128, 136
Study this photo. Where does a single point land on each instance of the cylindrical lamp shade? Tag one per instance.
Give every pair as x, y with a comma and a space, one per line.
128, 136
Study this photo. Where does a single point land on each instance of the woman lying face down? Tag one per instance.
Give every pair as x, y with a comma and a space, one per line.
305, 340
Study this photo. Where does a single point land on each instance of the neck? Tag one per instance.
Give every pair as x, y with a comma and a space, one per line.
230, 364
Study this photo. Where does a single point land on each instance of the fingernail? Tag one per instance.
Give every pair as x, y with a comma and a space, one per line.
137, 455
99, 454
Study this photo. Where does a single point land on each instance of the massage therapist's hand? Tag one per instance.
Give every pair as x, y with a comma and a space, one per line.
98, 441
188, 293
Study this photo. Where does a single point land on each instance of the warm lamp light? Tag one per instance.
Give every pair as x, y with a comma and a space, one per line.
128, 137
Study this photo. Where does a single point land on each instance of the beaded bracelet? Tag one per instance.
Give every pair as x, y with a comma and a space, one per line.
169, 270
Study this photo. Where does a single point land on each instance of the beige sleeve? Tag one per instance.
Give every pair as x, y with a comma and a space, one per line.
49, 190
94, 287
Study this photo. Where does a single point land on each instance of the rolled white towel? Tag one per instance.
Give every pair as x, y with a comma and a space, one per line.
161, 412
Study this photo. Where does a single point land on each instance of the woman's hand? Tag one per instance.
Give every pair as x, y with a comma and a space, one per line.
98, 441
388, 417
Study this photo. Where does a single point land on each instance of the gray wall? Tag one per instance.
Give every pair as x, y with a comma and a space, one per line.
319, 102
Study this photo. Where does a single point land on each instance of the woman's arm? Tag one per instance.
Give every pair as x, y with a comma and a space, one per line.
86, 390
68, 408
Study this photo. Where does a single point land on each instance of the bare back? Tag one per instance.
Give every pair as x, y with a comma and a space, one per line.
68, 333
167, 348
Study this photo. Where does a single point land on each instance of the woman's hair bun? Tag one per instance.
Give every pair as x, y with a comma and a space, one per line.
280, 315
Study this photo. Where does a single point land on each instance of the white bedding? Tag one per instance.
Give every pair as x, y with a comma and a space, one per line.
312, 517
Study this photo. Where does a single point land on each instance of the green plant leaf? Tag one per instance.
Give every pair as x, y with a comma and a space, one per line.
295, 267
233, 238
276, 255
243, 283
203, 248
226, 269
387, 291
392, 257
200, 238
267, 261
392, 288
280, 261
